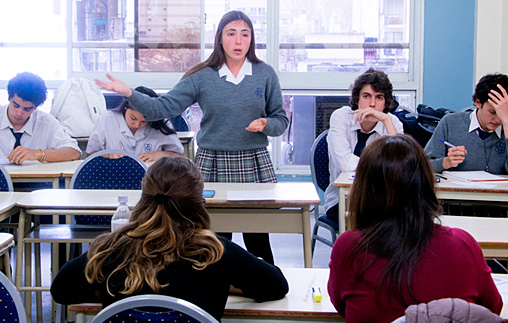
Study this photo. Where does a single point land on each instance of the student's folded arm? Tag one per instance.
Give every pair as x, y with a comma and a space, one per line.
398, 125
340, 149
256, 278
70, 285
62, 154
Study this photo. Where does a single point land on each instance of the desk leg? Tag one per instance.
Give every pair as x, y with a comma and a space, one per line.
38, 280
28, 279
19, 257
307, 250
342, 210
68, 182
192, 150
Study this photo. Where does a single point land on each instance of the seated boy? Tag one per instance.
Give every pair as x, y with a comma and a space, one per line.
352, 128
28, 133
479, 137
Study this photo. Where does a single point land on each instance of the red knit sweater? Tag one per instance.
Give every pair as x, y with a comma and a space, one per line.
452, 265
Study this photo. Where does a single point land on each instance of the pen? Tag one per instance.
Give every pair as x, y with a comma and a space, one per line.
441, 176
121, 146
316, 294
447, 143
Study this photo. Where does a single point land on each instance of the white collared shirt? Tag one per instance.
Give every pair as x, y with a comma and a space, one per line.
342, 138
41, 131
474, 125
112, 132
245, 70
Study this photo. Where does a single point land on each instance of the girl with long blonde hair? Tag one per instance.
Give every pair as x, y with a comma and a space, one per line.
168, 248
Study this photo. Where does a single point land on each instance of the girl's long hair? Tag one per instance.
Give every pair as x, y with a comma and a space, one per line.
393, 204
169, 223
217, 58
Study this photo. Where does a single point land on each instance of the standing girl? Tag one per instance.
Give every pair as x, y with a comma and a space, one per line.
241, 101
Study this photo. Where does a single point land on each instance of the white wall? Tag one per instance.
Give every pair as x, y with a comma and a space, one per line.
491, 37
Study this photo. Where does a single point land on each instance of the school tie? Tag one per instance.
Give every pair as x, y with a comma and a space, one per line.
362, 141
16, 135
484, 134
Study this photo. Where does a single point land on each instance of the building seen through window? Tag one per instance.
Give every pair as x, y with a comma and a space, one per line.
303, 41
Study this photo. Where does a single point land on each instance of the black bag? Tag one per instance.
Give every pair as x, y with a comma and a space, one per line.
428, 117
421, 125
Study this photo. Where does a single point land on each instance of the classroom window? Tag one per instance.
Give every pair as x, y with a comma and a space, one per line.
33, 38
309, 115
312, 39
315, 46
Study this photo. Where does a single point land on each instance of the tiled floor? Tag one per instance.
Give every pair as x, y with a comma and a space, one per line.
287, 249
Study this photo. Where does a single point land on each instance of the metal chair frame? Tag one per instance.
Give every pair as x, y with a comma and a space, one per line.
320, 186
13, 292
161, 301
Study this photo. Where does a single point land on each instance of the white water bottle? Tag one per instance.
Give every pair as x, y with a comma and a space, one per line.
122, 213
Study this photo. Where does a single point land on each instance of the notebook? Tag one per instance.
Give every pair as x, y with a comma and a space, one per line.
474, 176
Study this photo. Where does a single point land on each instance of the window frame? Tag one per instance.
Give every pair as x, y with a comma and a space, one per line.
311, 83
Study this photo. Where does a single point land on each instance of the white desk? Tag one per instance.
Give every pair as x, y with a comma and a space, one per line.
501, 281
288, 212
33, 171
491, 233
8, 203
298, 304
445, 190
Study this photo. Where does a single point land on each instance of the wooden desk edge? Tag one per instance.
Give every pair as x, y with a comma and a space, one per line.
93, 309
36, 175
260, 314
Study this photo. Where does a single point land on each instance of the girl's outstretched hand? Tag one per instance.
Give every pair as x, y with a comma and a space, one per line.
115, 86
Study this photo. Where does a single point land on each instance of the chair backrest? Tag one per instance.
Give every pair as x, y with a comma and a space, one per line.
12, 309
113, 100
123, 310
98, 172
5, 180
319, 162
180, 123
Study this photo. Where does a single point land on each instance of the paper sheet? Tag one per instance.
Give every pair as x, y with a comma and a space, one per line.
473, 176
261, 195
473, 184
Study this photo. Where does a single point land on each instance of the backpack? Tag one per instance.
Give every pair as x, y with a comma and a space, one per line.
421, 125
77, 105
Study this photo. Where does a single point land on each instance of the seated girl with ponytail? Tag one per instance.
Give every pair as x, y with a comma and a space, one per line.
167, 248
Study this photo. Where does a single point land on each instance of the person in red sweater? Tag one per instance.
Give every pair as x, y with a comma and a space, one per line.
397, 255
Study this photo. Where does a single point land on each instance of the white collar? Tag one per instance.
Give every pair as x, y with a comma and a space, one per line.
475, 124
245, 70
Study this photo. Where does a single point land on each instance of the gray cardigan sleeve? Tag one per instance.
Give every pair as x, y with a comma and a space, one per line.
169, 105
435, 149
276, 118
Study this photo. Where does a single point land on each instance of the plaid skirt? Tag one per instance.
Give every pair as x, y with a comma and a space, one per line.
244, 166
